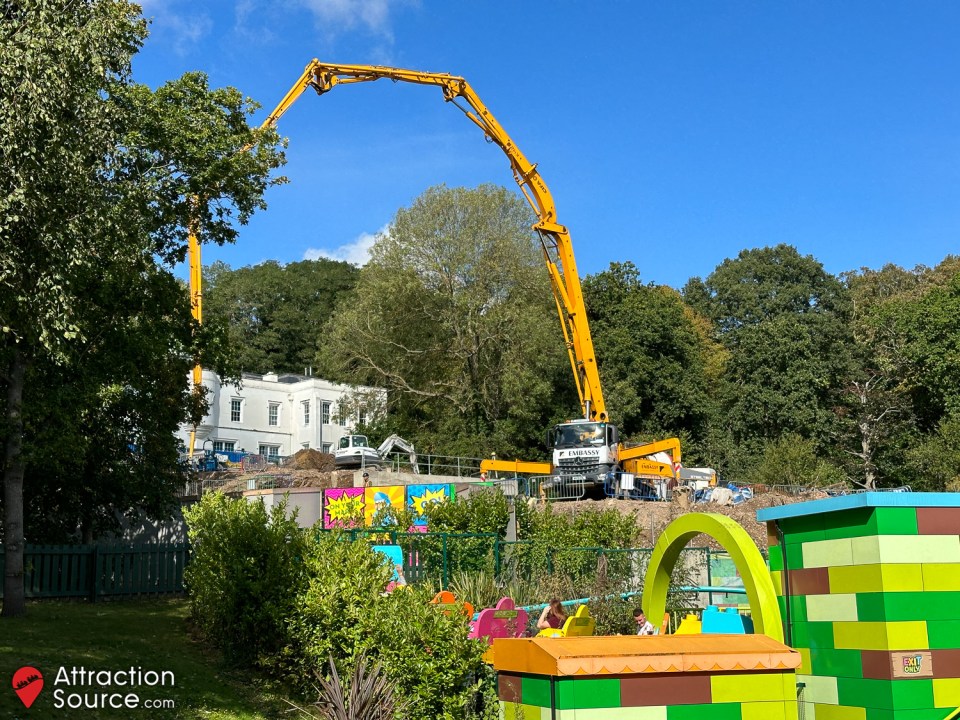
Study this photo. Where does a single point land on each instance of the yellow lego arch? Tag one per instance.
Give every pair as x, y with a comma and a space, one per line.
744, 553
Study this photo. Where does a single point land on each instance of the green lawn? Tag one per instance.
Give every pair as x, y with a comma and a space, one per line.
115, 636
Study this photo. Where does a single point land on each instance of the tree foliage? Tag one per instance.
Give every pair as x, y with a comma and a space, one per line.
454, 316
273, 312
783, 320
100, 181
653, 357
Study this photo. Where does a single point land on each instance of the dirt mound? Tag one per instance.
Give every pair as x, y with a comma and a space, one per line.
310, 459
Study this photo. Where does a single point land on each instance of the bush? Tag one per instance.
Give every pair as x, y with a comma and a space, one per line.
344, 583
245, 571
342, 614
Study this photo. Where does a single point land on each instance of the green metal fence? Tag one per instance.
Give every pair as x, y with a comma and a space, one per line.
435, 557
99, 571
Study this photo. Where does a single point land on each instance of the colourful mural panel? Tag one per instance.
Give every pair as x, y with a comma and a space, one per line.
393, 555
419, 496
343, 507
377, 499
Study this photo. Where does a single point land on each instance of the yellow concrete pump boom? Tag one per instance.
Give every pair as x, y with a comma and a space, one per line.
554, 240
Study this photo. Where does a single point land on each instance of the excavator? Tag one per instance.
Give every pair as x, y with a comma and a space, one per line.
354, 451
587, 450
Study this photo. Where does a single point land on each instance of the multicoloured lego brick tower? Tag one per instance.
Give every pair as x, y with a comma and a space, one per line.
869, 589
671, 677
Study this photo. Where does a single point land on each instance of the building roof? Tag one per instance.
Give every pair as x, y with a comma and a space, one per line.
634, 654
859, 500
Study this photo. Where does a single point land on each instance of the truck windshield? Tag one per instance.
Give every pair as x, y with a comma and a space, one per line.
578, 434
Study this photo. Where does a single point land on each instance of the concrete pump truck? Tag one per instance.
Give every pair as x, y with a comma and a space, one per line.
588, 450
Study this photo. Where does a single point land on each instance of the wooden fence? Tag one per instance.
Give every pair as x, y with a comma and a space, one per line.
99, 571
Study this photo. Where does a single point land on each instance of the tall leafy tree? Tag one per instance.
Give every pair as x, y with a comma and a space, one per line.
454, 316
653, 356
876, 415
783, 320
100, 179
275, 312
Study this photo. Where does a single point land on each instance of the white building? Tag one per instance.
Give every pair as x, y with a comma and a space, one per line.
277, 415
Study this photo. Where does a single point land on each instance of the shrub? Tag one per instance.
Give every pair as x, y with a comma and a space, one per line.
342, 613
344, 583
244, 573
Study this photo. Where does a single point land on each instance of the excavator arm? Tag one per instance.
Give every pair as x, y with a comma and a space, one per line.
396, 441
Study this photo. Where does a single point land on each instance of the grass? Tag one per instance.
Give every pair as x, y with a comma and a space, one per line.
115, 636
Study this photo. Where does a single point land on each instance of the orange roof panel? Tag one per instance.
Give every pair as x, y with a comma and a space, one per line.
629, 654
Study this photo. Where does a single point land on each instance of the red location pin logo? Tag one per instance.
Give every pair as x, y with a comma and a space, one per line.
27, 683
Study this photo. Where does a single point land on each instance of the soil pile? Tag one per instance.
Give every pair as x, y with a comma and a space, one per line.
310, 459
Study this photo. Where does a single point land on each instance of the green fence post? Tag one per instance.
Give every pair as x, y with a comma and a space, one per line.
496, 558
709, 577
94, 573
443, 580
550, 560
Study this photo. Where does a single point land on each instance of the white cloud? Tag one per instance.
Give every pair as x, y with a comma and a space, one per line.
336, 15
183, 29
355, 253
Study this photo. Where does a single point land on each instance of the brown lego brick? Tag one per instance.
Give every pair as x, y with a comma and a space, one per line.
772, 538
508, 687
938, 521
946, 663
665, 689
876, 664
809, 581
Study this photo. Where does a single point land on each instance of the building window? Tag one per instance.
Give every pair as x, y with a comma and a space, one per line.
273, 415
326, 447
325, 413
224, 445
271, 452
343, 415
363, 417
306, 412
235, 406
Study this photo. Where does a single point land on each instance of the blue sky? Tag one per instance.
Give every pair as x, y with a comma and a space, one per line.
672, 134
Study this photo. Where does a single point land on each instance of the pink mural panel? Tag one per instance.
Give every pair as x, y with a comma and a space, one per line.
343, 507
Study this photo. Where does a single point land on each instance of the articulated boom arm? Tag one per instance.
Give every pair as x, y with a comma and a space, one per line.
554, 237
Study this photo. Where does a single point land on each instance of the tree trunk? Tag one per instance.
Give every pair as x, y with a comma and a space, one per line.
13, 542
869, 469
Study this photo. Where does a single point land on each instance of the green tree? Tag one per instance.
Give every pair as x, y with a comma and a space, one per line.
934, 462
275, 312
929, 327
876, 416
783, 320
793, 460
763, 283
100, 180
454, 316
653, 357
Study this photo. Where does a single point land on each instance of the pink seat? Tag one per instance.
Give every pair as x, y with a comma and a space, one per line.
505, 620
